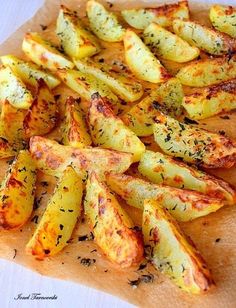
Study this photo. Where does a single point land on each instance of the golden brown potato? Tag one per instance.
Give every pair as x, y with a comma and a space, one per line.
223, 18
17, 192
76, 41
163, 169
6, 148
212, 100
170, 251
141, 61
194, 145
74, 129
112, 228
52, 158
60, 217
208, 71
42, 116
162, 15
184, 205
109, 131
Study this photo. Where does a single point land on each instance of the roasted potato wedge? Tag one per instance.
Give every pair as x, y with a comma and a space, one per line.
76, 41
74, 129
208, 71
60, 217
125, 87
170, 251
109, 131
43, 53
193, 144
112, 228
141, 61
184, 205
162, 15
168, 95
207, 39
86, 85
28, 72
13, 89
17, 192
212, 100
167, 45
103, 23
53, 158
162, 169
223, 18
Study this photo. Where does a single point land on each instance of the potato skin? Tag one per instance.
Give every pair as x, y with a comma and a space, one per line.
211, 100
60, 217
194, 145
163, 169
171, 252
17, 192
208, 71
223, 18
43, 53
53, 158
111, 225
109, 131
162, 15
184, 205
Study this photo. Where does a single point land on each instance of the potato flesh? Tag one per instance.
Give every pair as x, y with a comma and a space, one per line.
29, 73
60, 217
109, 131
162, 169
103, 23
193, 144
17, 192
76, 40
168, 45
223, 18
184, 205
162, 15
53, 158
171, 252
43, 53
111, 226
141, 61
211, 100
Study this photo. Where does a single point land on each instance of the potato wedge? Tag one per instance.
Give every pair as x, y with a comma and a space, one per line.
123, 86
13, 89
76, 41
59, 219
53, 158
211, 100
43, 53
170, 251
184, 205
103, 23
162, 15
167, 45
42, 116
194, 145
86, 85
207, 39
17, 192
223, 18
141, 61
28, 72
162, 169
74, 130
208, 71
112, 227
168, 95
109, 131
6, 148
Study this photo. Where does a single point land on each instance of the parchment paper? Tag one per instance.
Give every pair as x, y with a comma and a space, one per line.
220, 255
